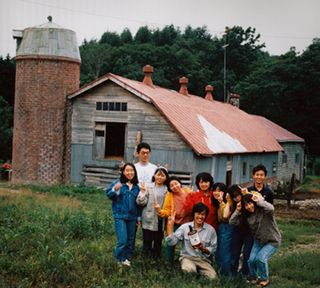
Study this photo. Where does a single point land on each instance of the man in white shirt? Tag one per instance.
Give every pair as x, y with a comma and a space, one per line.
145, 169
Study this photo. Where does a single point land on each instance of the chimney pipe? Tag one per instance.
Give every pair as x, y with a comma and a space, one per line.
209, 90
147, 77
184, 89
234, 99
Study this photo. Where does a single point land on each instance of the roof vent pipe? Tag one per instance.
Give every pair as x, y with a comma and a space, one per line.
184, 89
234, 99
209, 90
147, 77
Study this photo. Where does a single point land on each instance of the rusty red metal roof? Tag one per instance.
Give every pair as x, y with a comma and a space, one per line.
277, 131
209, 127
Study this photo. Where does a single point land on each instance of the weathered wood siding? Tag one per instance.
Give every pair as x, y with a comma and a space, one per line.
292, 164
166, 144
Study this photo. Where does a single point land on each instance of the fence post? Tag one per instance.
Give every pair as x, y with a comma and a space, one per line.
290, 191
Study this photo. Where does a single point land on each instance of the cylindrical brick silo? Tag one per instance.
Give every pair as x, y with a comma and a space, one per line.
47, 69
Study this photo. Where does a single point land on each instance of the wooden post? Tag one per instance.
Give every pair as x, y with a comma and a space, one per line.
290, 191
134, 159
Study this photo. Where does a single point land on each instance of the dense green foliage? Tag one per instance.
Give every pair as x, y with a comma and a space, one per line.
194, 54
7, 82
49, 238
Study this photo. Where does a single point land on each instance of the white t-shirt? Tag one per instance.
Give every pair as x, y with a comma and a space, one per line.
145, 172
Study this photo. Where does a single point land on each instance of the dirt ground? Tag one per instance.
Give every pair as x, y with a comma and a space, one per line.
296, 211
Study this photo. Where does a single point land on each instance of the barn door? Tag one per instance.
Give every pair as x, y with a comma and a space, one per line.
99, 145
229, 170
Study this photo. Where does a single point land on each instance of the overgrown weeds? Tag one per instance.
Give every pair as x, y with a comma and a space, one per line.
52, 237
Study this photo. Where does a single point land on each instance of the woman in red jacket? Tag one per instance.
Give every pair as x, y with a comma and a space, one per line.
204, 182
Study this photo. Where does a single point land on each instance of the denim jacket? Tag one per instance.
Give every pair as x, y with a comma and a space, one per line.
124, 201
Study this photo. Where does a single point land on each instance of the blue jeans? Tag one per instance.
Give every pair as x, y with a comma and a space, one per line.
240, 237
125, 230
223, 253
258, 260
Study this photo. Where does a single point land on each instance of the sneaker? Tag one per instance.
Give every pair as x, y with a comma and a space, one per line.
126, 262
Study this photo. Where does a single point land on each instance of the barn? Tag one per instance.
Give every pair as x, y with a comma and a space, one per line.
189, 133
292, 159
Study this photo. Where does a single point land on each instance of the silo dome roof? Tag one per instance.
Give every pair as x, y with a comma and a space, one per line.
49, 39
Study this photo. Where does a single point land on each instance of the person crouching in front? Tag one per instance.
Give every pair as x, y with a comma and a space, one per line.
195, 258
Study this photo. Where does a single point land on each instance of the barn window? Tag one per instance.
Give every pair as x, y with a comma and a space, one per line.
284, 159
244, 169
99, 106
251, 171
297, 158
111, 106
109, 141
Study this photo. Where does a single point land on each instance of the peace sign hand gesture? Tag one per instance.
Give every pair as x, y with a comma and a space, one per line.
143, 187
172, 218
157, 206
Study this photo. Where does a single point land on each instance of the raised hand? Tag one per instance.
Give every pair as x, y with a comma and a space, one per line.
243, 190
190, 189
255, 198
239, 207
122, 164
157, 206
143, 187
220, 197
172, 218
117, 186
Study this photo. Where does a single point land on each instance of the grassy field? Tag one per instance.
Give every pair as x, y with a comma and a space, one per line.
64, 237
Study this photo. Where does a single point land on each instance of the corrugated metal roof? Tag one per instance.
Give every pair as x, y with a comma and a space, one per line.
277, 131
209, 127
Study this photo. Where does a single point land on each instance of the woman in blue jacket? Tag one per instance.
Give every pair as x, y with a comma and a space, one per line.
123, 194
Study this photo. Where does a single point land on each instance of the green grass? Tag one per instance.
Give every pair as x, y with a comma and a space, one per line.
64, 237
310, 184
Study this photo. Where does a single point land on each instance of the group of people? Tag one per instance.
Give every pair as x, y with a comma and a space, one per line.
229, 220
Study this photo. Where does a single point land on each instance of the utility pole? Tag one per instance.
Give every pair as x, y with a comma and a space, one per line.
225, 63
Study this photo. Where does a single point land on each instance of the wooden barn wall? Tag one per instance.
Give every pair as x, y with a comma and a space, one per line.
251, 159
286, 169
166, 144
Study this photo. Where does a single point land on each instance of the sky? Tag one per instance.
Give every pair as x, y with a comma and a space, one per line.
282, 24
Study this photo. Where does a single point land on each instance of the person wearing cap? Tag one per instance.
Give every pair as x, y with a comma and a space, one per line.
195, 258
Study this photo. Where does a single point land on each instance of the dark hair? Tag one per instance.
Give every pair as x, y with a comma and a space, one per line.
198, 208
248, 199
143, 145
164, 171
170, 179
258, 168
234, 190
206, 177
223, 188
124, 179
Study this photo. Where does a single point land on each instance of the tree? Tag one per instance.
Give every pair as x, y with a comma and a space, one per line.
93, 56
7, 79
286, 90
6, 130
126, 36
111, 38
143, 36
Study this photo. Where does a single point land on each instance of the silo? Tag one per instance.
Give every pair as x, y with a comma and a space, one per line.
47, 69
